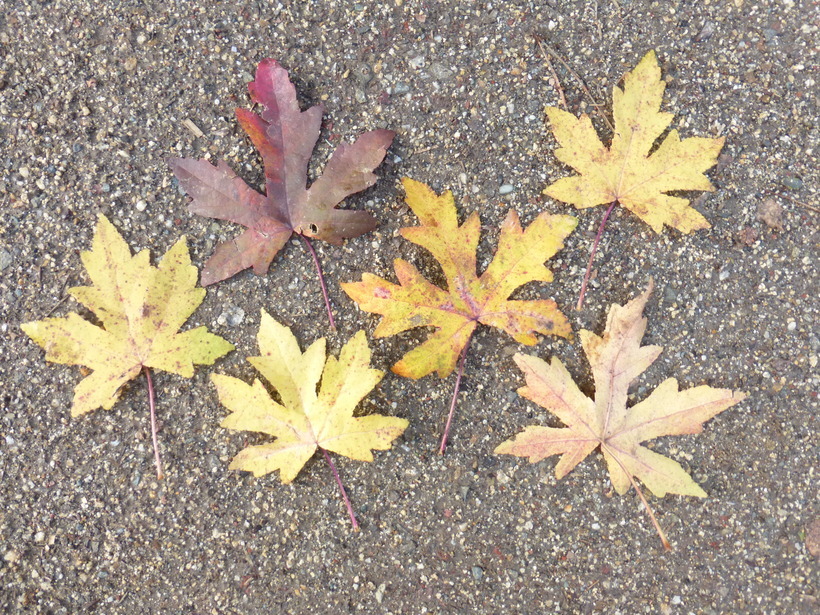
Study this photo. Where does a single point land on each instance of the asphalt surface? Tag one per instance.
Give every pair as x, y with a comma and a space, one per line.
95, 95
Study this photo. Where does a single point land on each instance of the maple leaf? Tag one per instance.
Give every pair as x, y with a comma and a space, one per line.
285, 138
617, 358
627, 173
469, 299
141, 309
305, 420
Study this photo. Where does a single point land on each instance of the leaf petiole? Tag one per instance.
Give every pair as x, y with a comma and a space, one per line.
592, 255
342, 489
160, 473
321, 279
455, 397
651, 514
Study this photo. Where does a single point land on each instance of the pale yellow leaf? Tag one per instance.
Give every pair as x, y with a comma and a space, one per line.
629, 172
617, 359
307, 419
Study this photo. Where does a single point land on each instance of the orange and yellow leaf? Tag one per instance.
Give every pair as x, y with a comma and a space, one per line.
469, 299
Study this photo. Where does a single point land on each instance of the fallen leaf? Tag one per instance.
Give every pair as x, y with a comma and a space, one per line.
285, 138
470, 299
617, 359
141, 309
305, 420
627, 173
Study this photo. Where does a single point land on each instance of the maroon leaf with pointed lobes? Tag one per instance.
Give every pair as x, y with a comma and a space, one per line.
285, 137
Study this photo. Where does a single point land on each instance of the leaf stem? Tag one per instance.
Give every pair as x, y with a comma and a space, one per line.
657, 525
455, 397
342, 489
321, 280
157, 460
592, 255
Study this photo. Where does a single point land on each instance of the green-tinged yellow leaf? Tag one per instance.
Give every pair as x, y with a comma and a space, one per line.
306, 419
141, 309
626, 172
470, 299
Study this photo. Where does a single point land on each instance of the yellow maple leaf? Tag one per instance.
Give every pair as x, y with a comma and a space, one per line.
626, 172
141, 309
305, 420
617, 358
470, 299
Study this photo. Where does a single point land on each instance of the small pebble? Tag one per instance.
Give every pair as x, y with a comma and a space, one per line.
363, 74
771, 213
6, 259
478, 573
141, 205
792, 183
231, 316
506, 189
706, 31
791, 326
439, 71
130, 63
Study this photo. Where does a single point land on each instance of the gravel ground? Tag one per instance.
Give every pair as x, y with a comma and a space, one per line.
94, 96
